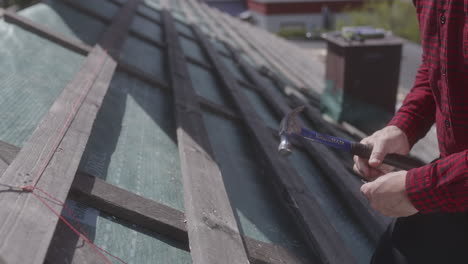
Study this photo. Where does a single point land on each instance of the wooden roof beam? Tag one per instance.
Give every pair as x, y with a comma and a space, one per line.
50, 158
61, 39
212, 228
319, 235
144, 212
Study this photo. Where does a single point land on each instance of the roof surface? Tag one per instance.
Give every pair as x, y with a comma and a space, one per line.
166, 112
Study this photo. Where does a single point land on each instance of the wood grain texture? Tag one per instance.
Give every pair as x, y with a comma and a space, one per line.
212, 228
65, 41
50, 157
67, 247
319, 235
129, 206
135, 209
160, 218
347, 185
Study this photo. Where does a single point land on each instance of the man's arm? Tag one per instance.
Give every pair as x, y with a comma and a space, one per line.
402, 193
441, 186
417, 114
412, 121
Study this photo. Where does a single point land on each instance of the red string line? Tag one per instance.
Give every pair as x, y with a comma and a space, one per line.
80, 232
76, 105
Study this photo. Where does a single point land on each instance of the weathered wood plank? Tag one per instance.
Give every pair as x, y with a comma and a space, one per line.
212, 228
199, 63
44, 32
185, 35
81, 47
307, 213
165, 4
50, 157
8, 153
347, 185
159, 218
136, 209
196, 6
143, 76
248, 85
129, 206
151, 41
258, 48
143, 15
187, 10
150, 79
67, 247
217, 109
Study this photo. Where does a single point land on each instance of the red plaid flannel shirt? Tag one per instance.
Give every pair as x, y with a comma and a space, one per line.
440, 94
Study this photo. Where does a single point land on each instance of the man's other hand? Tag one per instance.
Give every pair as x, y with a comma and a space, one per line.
387, 140
388, 195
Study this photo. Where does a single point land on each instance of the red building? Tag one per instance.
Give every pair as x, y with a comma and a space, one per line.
275, 15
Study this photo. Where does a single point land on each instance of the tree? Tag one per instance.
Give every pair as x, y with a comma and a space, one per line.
398, 16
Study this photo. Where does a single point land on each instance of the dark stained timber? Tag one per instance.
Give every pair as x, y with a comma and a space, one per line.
307, 213
50, 157
58, 38
212, 228
139, 210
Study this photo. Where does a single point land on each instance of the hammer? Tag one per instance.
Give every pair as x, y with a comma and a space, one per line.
291, 127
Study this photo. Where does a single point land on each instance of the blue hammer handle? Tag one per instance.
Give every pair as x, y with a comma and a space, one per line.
361, 150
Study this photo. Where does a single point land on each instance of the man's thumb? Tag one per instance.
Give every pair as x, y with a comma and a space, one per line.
365, 189
378, 155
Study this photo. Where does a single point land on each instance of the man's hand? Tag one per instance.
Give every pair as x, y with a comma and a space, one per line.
387, 140
388, 195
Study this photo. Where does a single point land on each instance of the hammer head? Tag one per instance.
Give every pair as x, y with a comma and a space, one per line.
289, 126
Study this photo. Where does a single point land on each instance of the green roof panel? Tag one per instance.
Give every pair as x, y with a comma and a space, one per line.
32, 76
193, 49
206, 84
148, 28
336, 212
104, 7
234, 68
64, 19
146, 57
153, 4
261, 107
150, 12
129, 242
133, 143
185, 29
255, 206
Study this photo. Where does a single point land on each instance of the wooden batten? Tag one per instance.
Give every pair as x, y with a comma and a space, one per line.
307, 214
50, 157
212, 228
65, 41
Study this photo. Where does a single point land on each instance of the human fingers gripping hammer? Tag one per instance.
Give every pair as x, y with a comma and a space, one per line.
387, 140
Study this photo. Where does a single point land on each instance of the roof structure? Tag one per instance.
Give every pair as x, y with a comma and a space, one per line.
156, 121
